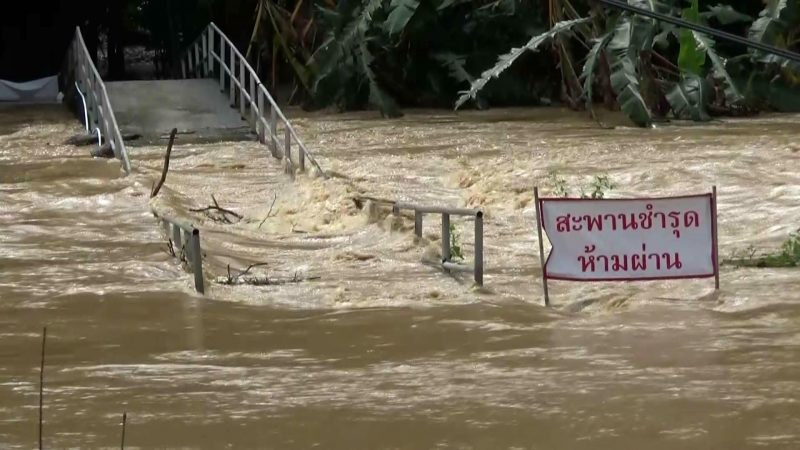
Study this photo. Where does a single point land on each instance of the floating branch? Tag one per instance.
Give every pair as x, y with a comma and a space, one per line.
275, 197
165, 169
218, 213
241, 278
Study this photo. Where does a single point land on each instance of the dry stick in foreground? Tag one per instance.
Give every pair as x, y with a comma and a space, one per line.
41, 388
166, 164
124, 421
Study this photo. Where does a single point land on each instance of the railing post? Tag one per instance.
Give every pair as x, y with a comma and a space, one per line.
287, 152
445, 237
241, 88
191, 63
301, 157
259, 121
221, 63
183, 68
233, 78
205, 54
418, 223
273, 130
197, 69
197, 261
478, 266
209, 51
252, 103
176, 240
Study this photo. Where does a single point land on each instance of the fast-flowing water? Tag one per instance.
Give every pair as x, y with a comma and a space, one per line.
362, 342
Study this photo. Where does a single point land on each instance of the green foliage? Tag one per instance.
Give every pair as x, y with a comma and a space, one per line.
688, 98
455, 243
589, 67
725, 14
624, 55
788, 256
691, 58
597, 189
600, 185
719, 71
558, 185
506, 60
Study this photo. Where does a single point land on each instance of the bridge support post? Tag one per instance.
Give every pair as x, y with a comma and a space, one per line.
287, 153
260, 118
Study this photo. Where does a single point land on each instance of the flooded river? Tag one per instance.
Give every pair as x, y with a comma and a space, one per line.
375, 347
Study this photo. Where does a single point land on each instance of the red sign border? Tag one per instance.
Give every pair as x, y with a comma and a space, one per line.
714, 255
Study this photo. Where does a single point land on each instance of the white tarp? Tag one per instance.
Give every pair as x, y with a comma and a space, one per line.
34, 91
629, 239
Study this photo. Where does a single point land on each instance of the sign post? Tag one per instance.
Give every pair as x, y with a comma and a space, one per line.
541, 244
633, 239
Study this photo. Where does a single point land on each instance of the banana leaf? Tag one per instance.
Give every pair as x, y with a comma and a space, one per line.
725, 14
401, 12
588, 68
624, 78
506, 60
732, 94
691, 57
689, 98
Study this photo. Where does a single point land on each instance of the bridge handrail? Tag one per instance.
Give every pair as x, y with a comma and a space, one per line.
200, 57
99, 108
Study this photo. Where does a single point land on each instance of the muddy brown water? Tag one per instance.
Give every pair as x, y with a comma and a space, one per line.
379, 348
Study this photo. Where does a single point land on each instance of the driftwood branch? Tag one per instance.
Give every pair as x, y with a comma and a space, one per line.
222, 212
239, 278
275, 197
165, 169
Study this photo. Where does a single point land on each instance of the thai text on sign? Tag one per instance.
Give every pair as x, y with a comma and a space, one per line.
629, 239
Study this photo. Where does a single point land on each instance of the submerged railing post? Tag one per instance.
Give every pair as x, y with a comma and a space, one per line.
447, 264
478, 269
259, 118
197, 261
177, 245
209, 51
253, 115
445, 237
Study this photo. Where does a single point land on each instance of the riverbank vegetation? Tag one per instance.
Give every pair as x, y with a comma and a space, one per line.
390, 54
384, 54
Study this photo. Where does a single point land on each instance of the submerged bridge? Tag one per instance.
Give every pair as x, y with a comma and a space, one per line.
216, 95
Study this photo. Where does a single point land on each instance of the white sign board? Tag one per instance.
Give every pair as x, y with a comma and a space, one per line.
629, 239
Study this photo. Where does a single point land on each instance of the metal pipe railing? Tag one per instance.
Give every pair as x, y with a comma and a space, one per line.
247, 89
97, 105
447, 263
185, 239
85, 111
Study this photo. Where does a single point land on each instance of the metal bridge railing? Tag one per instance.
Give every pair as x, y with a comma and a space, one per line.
185, 240
447, 263
81, 70
212, 54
